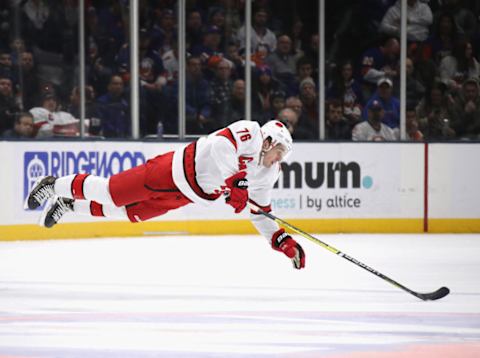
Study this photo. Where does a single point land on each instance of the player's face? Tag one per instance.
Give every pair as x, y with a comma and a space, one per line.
274, 155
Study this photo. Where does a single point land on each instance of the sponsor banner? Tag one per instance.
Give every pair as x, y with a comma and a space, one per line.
320, 181
337, 180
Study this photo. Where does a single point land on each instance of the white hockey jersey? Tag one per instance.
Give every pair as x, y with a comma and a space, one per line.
58, 123
200, 168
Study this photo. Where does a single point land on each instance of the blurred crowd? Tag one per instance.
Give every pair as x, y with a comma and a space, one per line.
39, 94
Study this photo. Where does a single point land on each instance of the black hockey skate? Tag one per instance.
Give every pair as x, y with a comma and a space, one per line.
41, 192
54, 211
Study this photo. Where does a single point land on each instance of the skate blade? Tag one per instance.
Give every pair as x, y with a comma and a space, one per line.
25, 203
46, 208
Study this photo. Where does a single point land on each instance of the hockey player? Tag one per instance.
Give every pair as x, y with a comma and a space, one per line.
241, 161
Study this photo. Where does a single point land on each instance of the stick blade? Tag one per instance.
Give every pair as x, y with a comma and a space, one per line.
436, 295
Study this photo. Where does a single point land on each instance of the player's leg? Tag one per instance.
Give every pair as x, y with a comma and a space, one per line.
57, 207
138, 194
128, 187
75, 186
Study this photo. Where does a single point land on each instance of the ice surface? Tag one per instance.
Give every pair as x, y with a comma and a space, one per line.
232, 296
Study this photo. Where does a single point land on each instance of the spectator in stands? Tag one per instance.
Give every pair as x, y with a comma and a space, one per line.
49, 99
443, 38
259, 57
234, 16
51, 29
304, 69
211, 41
164, 32
67, 20
232, 54
345, 88
459, 66
98, 69
170, 65
415, 89
221, 89
467, 111
198, 108
303, 130
216, 17
390, 104
413, 133
48, 89
151, 65
424, 70
6, 17
151, 96
291, 117
278, 103
298, 36
17, 46
23, 127
28, 79
194, 28
237, 102
261, 35
379, 62
35, 16
50, 121
419, 19
149, 57
465, 20
366, 18
283, 62
104, 28
92, 27
91, 109
150, 78
6, 66
296, 105
435, 112
8, 106
263, 86
114, 110
373, 128
312, 53
308, 96
337, 127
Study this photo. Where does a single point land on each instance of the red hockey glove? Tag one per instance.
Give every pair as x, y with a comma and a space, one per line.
283, 242
238, 186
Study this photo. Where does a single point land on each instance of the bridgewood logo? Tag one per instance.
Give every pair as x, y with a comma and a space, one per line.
60, 163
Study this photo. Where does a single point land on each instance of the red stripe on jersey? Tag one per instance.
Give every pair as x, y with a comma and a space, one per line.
227, 133
77, 186
39, 124
191, 175
267, 208
96, 209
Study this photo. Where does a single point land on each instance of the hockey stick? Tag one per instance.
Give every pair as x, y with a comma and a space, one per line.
435, 295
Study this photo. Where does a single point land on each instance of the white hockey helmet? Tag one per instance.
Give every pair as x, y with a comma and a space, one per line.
279, 134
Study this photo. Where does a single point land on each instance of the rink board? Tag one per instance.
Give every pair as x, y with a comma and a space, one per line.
324, 187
